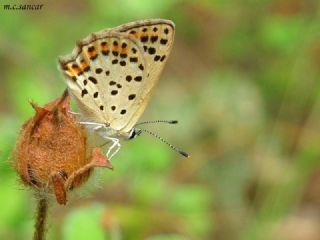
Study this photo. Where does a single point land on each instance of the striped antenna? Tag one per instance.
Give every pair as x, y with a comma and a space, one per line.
158, 121
183, 153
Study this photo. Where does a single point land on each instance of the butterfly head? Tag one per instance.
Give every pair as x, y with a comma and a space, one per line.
134, 133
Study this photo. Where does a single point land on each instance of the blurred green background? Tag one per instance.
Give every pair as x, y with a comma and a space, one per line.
242, 79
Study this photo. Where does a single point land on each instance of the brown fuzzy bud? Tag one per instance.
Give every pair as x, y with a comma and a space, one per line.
50, 153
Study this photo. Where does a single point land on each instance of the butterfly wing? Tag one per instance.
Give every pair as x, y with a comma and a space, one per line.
155, 37
111, 73
104, 75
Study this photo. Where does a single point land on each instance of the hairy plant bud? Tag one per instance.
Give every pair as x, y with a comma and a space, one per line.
50, 153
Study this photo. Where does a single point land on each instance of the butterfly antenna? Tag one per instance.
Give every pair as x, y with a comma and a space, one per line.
158, 121
164, 141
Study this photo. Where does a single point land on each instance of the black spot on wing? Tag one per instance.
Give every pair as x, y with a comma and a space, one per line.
105, 52
84, 92
87, 68
93, 80
131, 96
93, 57
163, 41
156, 58
75, 66
128, 78
99, 70
133, 59
144, 39
151, 50
114, 92
91, 49
138, 78
154, 39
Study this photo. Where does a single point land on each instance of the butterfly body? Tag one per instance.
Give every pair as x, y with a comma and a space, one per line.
112, 73
106, 131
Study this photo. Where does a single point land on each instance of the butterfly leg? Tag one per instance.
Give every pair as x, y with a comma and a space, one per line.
115, 143
74, 113
92, 125
97, 128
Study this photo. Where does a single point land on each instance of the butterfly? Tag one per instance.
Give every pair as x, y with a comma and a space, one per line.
111, 75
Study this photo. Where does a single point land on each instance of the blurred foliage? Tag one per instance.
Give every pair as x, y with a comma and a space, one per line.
243, 80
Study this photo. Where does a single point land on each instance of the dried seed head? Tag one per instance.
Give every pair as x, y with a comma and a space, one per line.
51, 147
50, 142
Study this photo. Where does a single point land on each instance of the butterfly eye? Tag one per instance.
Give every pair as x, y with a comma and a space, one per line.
134, 133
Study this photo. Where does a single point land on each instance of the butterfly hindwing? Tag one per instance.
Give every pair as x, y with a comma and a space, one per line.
103, 75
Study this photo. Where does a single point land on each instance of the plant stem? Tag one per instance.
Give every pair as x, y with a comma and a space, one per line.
40, 226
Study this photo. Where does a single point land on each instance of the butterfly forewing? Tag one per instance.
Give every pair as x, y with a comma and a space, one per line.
111, 73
